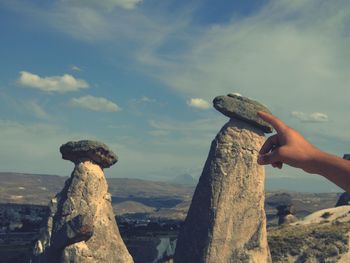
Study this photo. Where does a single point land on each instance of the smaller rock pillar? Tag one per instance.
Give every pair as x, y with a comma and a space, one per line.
81, 226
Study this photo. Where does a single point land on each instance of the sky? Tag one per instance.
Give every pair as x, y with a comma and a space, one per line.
140, 76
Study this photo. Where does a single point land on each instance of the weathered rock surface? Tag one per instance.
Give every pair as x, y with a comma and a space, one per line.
234, 106
94, 151
344, 198
226, 220
286, 214
81, 226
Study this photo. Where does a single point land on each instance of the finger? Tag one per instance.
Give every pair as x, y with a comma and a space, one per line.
269, 158
274, 121
269, 144
279, 165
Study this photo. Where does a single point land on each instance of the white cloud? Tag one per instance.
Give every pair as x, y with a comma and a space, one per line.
25, 107
199, 103
75, 68
95, 104
82, 23
284, 53
312, 117
37, 110
80, 19
147, 99
143, 105
61, 84
143, 100
107, 4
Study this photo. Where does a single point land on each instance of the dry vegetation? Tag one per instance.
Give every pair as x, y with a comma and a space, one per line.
307, 243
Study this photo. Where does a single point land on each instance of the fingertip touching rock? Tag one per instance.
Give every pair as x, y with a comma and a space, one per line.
236, 106
94, 151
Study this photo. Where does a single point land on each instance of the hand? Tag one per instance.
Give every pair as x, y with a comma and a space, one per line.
287, 146
290, 147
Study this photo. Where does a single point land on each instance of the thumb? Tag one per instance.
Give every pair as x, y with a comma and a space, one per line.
269, 158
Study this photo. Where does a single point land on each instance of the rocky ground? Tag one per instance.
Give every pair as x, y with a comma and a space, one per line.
312, 243
320, 237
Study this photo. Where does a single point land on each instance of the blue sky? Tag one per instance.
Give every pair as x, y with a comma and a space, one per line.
141, 75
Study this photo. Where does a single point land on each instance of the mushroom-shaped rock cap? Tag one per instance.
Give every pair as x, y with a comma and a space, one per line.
235, 106
346, 157
94, 151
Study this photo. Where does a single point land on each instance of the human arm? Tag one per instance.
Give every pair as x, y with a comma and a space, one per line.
290, 147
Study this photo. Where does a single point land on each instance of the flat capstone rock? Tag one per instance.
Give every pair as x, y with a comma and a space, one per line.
346, 157
94, 151
242, 108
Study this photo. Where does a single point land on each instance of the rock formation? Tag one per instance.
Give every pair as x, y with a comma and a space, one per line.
238, 107
344, 198
81, 226
322, 236
226, 220
286, 214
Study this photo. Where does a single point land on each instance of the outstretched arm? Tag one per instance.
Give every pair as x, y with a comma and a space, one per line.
290, 147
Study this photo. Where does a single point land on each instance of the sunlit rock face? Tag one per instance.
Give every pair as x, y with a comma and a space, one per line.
81, 226
226, 220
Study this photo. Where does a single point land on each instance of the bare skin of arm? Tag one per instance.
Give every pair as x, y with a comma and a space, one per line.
290, 147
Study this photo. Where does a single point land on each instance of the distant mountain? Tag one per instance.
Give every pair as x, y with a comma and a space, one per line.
23, 188
135, 188
129, 196
184, 179
156, 199
38, 189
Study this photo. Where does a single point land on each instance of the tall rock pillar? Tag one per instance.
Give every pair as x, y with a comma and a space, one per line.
226, 221
81, 227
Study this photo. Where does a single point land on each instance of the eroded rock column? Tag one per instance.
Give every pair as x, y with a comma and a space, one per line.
286, 214
81, 226
226, 220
